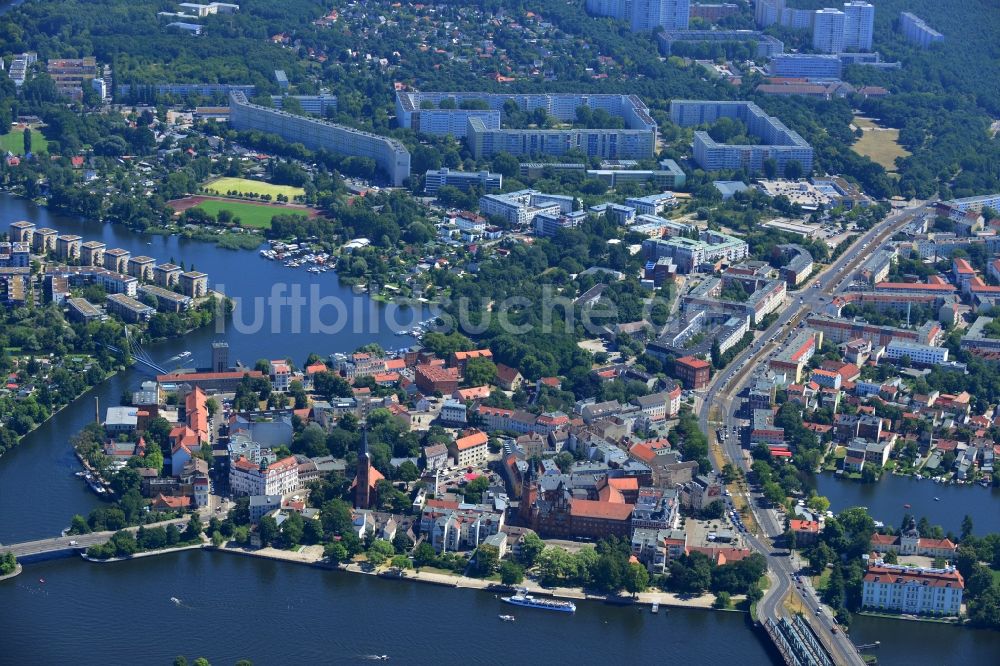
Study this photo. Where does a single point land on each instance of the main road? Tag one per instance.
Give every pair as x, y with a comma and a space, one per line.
722, 396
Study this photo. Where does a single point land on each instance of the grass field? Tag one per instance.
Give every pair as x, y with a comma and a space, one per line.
251, 215
881, 144
244, 186
14, 142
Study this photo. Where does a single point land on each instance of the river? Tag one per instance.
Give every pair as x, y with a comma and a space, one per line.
234, 607
885, 500
273, 613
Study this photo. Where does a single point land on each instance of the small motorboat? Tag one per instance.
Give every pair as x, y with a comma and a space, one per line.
906, 506
42, 581
937, 499
507, 618
175, 601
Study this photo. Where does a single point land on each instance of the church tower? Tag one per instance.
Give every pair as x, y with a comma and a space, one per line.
362, 482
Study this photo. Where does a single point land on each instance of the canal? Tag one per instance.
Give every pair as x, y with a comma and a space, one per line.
233, 607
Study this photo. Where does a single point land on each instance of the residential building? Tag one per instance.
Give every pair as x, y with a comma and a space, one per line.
92, 253
520, 208
689, 254
486, 181
777, 142
859, 24
432, 379
766, 45
909, 542
693, 372
485, 136
472, 449
916, 30
194, 284
805, 66
221, 382
277, 478
70, 74
828, 30
128, 309
141, 268
913, 590
454, 412
68, 247
794, 356
167, 275
916, 353
391, 157
648, 15
320, 105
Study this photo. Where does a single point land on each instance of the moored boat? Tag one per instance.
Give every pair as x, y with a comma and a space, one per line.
522, 598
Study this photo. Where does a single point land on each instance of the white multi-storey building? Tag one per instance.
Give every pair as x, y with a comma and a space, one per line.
828, 30
917, 353
277, 478
917, 31
912, 590
389, 155
859, 23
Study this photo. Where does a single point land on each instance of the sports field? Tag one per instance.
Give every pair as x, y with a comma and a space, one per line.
880, 144
251, 215
14, 142
245, 186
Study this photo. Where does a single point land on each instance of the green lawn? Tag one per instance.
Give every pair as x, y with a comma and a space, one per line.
13, 142
251, 215
221, 186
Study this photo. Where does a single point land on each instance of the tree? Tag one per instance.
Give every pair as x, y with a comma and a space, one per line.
336, 552
379, 552
511, 573
636, 578
722, 601
424, 555
531, 547
966, 527
27, 140
487, 560
194, 528
480, 372
401, 562
78, 525
268, 530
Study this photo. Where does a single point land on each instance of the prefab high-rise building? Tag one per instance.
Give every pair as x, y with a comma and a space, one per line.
649, 14
828, 30
859, 22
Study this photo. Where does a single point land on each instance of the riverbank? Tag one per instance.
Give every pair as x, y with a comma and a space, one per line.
313, 556
55, 412
17, 572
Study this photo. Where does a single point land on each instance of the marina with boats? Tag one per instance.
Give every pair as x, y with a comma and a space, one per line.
297, 255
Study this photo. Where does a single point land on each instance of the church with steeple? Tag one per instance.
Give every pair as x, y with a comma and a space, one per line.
364, 488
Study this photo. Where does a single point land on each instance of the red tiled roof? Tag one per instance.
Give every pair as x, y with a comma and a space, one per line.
803, 525
692, 362
581, 508
936, 578
470, 441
